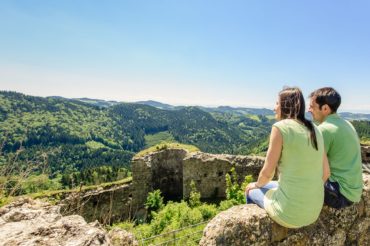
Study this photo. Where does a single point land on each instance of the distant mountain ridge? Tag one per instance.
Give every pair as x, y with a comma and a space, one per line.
220, 109
158, 105
355, 116
240, 110
164, 106
97, 102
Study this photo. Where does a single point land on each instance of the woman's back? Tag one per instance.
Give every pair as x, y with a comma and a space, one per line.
299, 197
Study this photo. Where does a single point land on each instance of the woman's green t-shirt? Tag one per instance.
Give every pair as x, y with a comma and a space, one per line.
299, 198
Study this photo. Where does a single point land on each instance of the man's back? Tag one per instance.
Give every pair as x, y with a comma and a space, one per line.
344, 154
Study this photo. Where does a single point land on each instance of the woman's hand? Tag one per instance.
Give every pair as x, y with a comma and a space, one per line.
249, 187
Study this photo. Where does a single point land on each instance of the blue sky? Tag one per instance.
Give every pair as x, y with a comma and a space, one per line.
193, 52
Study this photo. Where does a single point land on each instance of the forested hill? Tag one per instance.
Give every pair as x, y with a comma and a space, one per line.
77, 138
73, 141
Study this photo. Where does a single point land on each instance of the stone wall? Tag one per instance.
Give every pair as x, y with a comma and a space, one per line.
172, 170
208, 172
107, 205
250, 225
157, 170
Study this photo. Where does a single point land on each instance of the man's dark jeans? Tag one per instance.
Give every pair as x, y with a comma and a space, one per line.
333, 198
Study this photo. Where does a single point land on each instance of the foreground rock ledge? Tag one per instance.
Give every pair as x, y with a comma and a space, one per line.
33, 222
250, 225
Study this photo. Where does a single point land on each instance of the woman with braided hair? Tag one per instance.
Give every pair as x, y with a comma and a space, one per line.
296, 149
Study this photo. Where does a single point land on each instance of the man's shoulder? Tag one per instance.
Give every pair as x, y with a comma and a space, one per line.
327, 126
332, 123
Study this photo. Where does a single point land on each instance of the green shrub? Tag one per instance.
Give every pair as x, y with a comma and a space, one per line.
37, 183
142, 231
207, 211
226, 204
234, 191
154, 201
174, 216
194, 199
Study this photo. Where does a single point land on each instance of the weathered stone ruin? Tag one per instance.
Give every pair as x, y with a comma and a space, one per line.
107, 205
159, 170
172, 170
208, 171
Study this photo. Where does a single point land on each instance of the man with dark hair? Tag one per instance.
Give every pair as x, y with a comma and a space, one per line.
343, 149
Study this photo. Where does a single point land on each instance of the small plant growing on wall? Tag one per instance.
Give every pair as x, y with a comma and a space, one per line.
154, 202
234, 190
194, 198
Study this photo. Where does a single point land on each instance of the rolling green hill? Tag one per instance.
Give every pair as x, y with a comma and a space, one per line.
89, 141
93, 141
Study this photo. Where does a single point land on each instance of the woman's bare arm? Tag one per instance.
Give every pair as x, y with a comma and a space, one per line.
271, 161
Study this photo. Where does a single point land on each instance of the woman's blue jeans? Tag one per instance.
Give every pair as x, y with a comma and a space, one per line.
256, 196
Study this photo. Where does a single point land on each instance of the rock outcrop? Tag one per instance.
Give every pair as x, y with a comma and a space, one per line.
33, 222
250, 225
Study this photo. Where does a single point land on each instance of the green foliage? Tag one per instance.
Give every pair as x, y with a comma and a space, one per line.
63, 136
226, 204
165, 145
363, 130
18, 185
171, 218
95, 145
234, 191
154, 201
57, 195
93, 176
261, 148
208, 211
37, 183
194, 198
157, 138
174, 216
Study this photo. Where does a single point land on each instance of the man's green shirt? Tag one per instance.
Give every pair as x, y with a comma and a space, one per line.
342, 146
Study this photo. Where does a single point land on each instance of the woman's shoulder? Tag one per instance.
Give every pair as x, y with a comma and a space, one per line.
284, 126
285, 122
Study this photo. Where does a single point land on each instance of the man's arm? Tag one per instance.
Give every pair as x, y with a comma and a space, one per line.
328, 137
326, 168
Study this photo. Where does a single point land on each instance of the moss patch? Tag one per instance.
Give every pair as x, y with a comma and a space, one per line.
164, 145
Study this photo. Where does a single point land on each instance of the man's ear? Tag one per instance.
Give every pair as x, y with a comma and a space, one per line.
326, 109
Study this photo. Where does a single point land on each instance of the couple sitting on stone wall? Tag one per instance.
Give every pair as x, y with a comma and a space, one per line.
316, 164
